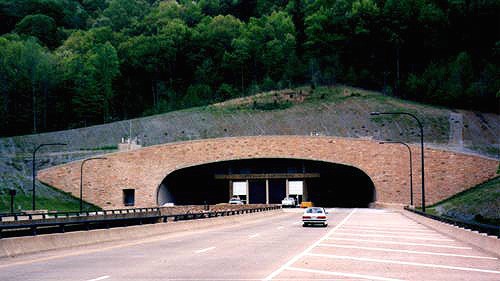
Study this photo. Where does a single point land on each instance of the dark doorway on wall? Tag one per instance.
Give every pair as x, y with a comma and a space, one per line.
325, 184
129, 197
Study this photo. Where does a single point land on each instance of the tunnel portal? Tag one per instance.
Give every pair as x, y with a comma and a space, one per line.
268, 180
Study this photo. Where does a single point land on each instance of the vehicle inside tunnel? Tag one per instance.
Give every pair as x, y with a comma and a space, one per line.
268, 180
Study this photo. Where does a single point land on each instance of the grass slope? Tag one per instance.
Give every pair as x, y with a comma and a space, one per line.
480, 204
59, 201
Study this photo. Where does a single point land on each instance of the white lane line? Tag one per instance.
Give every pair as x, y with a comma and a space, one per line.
280, 227
295, 223
406, 251
204, 250
334, 273
99, 278
405, 263
403, 226
393, 236
253, 235
393, 232
400, 243
315, 244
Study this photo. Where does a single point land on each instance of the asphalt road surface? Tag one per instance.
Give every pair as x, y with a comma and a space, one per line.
358, 244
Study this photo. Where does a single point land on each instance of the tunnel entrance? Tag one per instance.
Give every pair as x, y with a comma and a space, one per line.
268, 180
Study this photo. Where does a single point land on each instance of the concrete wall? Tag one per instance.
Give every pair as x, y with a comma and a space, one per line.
387, 165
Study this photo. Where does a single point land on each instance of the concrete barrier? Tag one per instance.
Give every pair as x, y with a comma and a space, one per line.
10, 247
489, 244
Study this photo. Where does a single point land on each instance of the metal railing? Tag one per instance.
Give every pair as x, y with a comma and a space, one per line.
50, 215
480, 227
74, 221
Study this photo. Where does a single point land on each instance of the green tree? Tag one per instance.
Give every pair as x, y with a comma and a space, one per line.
40, 26
27, 70
125, 13
90, 69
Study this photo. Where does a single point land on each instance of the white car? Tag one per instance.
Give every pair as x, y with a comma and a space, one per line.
236, 201
288, 202
315, 215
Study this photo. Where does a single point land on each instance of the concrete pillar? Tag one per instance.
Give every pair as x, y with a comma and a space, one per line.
248, 193
230, 189
305, 194
267, 191
287, 188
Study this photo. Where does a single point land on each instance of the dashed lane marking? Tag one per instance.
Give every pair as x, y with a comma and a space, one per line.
400, 243
405, 263
406, 251
204, 250
253, 235
99, 278
393, 236
344, 274
280, 227
315, 244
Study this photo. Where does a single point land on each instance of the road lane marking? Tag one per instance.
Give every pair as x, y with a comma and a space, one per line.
402, 227
253, 235
295, 223
99, 278
395, 232
334, 273
394, 236
280, 227
406, 251
405, 263
400, 243
308, 249
204, 250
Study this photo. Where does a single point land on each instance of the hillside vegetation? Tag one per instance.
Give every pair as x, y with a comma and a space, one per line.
328, 111
480, 204
69, 64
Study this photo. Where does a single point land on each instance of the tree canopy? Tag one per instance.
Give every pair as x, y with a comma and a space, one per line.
68, 63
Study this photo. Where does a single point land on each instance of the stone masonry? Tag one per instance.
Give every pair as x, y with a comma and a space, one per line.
447, 173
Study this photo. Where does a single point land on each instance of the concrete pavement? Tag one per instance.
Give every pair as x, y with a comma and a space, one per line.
359, 244
385, 245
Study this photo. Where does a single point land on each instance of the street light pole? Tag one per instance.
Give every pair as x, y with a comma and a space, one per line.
81, 178
34, 168
12, 193
421, 147
411, 167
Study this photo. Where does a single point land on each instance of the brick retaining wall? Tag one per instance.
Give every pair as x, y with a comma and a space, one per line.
144, 169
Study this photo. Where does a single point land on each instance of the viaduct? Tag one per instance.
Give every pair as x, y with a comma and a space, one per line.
329, 171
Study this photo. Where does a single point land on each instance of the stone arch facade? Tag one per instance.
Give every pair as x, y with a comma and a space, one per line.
447, 173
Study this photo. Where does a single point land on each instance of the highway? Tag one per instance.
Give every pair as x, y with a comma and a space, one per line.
358, 244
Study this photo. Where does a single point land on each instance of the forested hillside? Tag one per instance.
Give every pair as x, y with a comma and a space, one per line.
68, 63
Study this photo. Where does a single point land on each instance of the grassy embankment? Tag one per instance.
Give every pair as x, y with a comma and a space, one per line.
61, 201
478, 204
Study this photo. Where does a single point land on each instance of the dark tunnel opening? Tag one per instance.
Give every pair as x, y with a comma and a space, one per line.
268, 180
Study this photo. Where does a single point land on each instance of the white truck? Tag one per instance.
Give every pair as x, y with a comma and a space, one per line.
288, 202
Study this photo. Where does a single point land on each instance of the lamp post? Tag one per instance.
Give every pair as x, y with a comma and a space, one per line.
81, 178
421, 147
34, 168
411, 167
12, 193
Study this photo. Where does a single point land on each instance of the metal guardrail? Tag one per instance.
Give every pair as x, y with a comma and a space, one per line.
50, 215
480, 227
10, 214
77, 221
